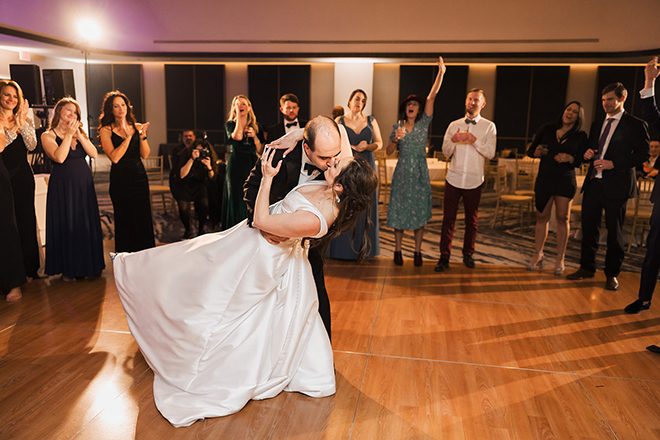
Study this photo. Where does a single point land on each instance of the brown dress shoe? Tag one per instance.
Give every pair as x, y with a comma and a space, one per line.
580, 274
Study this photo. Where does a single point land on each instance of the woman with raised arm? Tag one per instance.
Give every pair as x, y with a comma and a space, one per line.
364, 134
74, 240
556, 144
125, 143
246, 137
410, 198
228, 317
20, 137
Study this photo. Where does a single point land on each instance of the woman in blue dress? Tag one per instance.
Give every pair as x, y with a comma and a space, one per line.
364, 135
74, 240
410, 198
246, 137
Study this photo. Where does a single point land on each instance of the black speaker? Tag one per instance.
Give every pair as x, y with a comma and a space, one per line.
27, 76
58, 84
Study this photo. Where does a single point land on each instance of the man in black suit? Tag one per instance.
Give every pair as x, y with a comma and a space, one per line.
289, 106
618, 145
651, 265
322, 141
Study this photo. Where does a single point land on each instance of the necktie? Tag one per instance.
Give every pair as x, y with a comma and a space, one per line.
309, 168
603, 137
470, 121
601, 144
291, 124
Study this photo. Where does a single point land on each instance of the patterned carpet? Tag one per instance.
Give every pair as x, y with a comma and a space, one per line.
507, 245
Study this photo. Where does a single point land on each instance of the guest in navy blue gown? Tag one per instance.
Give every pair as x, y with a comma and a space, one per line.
124, 141
74, 241
364, 135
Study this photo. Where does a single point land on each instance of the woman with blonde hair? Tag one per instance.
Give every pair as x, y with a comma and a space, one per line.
246, 138
73, 227
20, 137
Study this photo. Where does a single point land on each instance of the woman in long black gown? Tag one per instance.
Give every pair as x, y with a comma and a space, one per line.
124, 141
556, 144
20, 138
12, 270
74, 240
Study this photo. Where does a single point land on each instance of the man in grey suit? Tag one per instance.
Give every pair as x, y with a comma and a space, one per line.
617, 145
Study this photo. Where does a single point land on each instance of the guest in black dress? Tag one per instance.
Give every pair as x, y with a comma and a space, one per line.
19, 138
74, 240
124, 141
556, 144
198, 169
246, 137
12, 270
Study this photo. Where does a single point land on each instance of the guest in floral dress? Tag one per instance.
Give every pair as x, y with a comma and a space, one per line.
410, 197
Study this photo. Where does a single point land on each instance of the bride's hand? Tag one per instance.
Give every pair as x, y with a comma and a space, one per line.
267, 169
288, 141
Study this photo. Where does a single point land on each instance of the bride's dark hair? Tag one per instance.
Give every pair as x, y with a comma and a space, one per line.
359, 181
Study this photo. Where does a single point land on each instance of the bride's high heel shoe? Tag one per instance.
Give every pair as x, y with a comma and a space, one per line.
536, 261
559, 265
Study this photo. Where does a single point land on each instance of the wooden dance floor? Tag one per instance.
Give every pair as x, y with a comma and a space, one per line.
491, 353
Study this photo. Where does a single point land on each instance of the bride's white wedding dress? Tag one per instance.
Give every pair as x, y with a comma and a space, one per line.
226, 318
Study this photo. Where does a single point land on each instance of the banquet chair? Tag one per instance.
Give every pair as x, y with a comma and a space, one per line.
383, 182
641, 216
506, 200
525, 177
438, 186
154, 168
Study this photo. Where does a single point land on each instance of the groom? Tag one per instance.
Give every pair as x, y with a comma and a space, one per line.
321, 143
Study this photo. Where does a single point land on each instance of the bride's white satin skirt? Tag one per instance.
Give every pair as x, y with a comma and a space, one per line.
223, 319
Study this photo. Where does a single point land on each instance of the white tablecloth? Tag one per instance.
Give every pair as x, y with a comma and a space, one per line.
437, 169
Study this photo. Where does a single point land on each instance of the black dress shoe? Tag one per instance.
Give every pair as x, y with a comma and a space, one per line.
580, 274
418, 258
612, 283
468, 261
653, 349
637, 306
443, 264
398, 258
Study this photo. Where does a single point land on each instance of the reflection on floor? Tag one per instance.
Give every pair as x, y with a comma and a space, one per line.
492, 352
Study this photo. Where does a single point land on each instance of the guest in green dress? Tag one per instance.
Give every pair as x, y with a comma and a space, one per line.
246, 137
410, 197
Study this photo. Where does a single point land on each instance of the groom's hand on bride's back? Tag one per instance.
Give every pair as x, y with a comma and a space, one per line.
272, 238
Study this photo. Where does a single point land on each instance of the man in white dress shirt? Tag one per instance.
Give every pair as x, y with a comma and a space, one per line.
469, 141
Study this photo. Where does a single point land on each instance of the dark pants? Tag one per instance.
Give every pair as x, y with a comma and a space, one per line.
593, 203
471, 198
651, 265
316, 261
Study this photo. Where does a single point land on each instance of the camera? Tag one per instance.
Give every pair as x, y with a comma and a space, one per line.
203, 154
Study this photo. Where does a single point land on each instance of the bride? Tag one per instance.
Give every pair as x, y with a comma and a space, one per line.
228, 317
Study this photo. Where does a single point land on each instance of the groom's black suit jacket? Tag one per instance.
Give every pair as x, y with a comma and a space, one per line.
283, 182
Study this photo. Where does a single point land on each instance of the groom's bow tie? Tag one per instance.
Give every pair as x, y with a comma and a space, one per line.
309, 169
291, 124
